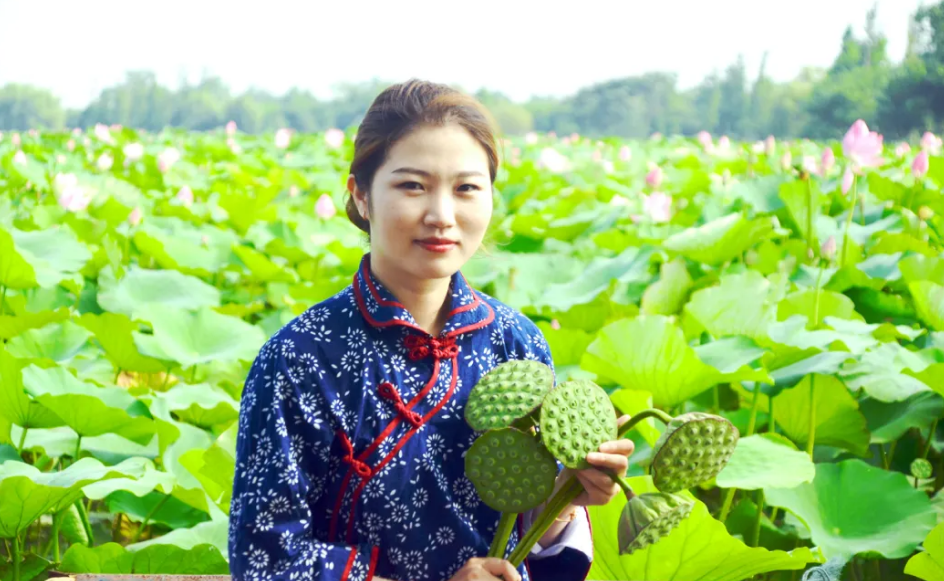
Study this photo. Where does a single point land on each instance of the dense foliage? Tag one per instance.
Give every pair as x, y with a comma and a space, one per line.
796, 289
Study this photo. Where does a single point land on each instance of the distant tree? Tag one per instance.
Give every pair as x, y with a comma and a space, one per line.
24, 107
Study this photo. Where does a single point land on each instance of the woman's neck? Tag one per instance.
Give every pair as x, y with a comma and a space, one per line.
426, 300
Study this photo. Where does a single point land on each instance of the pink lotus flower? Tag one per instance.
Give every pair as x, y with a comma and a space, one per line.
828, 160
861, 146
167, 158
625, 153
565, 140
70, 145
33, 133
135, 217
115, 127
902, 149
847, 179
770, 145
786, 160
655, 136
70, 194
102, 133
658, 206
531, 138
810, 165
553, 161
575, 137
921, 164
324, 208
282, 138
231, 128
76, 131
19, 158
15, 139
931, 142
185, 196
828, 250
555, 324
654, 177
334, 138
597, 155
105, 162
724, 143
705, 139
133, 151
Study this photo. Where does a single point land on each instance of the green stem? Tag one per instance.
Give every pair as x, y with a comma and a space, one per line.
83, 516
3, 297
881, 448
54, 536
819, 279
117, 375
927, 447
193, 375
812, 434
726, 506
845, 234
78, 448
774, 513
862, 210
770, 410
502, 534
891, 452
650, 413
557, 503
147, 519
754, 405
755, 534
809, 215
16, 558
22, 443
627, 489
716, 404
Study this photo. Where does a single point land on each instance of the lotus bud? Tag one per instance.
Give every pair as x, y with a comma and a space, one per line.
324, 208
786, 160
847, 179
654, 177
828, 251
283, 138
625, 153
555, 324
658, 206
931, 142
902, 149
19, 158
231, 128
921, 164
828, 160
648, 518
135, 217
70, 145
167, 159
334, 138
770, 145
102, 133
693, 449
105, 161
810, 165
185, 196
133, 151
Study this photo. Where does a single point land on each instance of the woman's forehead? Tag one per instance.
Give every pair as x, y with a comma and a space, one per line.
448, 150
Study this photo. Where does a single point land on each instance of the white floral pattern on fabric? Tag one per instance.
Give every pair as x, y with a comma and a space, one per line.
301, 512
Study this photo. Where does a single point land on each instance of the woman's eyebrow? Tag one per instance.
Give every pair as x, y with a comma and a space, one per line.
413, 170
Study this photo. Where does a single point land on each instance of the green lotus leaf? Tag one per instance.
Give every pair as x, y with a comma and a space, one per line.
832, 507
112, 558
11, 326
57, 341
16, 407
720, 240
54, 254
202, 405
766, 461
929, 565
929, 302
214, 532
743, 304
889, 421
667, 296
139, 289
113, 332
631, 266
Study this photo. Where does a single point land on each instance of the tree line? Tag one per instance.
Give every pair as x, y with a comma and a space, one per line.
901, 100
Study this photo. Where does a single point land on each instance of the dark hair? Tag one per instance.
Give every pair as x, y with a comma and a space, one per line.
400, 109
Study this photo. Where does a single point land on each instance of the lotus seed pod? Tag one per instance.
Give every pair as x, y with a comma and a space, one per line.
694, 448
921, 468
511, 470
648, 518
576, 418
508, 393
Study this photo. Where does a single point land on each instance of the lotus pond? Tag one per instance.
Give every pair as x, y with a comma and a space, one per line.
795, 289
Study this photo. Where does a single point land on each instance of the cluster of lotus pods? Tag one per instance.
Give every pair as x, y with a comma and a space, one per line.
529, 425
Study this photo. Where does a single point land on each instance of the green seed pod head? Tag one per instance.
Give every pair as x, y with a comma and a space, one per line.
693, 449
649, 517
576, 418
921, 468
512, 471
507, 393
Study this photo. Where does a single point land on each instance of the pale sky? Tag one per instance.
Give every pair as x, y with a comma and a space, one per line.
523, 48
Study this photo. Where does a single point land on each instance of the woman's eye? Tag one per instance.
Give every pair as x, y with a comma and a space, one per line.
469, 188
411, 185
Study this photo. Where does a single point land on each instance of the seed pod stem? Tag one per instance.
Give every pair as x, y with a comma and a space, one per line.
557, 503
645, 414
502, 534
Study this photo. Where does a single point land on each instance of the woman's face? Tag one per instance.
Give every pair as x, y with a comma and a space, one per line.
431, 202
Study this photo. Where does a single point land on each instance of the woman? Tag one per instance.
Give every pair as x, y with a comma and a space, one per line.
351, 431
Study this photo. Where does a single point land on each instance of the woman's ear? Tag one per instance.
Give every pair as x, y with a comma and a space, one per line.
359, 196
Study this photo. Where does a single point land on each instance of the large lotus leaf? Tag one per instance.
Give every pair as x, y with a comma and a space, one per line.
632, 266
720, 240
112, 558
161, 508
794, 332
61, 441
178, 438
929, 302
838, 420
88, 409
699, 549
889, 421
202, 405
667, 295
835, 508
113, 332
800, 196
16, 272
736, 356
790, 369
54, 253
139, 289
184, 250
26, 492
766, 461
650, 354
831, 304
882, 331
13, 325
152, 479
880, 372
929, 565
214, 533
743, 304
520, 279
261, 266
15, 404
192, 338
59, 342
917, 268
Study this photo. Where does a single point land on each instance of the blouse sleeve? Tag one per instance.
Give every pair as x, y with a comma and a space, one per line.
571, 556
281, 450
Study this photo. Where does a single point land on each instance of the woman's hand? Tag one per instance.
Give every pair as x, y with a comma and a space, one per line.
612, 458
486, 569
